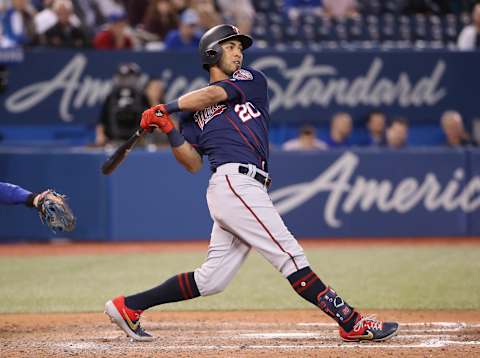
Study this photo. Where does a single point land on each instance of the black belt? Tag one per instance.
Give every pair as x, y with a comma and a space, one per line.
264, 180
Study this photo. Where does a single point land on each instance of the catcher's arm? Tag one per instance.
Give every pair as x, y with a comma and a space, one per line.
54, 211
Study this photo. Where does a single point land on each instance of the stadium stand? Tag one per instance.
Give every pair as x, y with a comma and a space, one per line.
379, 24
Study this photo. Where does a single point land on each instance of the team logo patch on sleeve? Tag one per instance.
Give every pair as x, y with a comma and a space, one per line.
243, 75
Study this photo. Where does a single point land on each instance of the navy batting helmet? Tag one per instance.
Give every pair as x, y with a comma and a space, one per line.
209, 47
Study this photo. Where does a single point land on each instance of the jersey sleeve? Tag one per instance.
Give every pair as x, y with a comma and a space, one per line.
189, 130
13, 194
246, 85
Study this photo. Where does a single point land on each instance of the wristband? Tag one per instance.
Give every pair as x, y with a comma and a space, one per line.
172, 106
175, 138
30, 200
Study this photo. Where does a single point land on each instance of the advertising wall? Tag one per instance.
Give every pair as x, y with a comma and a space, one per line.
69, 86
358, 193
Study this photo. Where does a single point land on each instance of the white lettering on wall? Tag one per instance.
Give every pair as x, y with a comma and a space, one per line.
88, 92
302, 86
347, 192
311, 84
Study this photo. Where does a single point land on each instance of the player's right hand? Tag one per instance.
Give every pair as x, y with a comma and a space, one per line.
157, 116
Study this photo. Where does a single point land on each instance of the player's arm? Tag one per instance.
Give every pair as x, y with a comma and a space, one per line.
183, 151
11, 194
199, 99
188, 156
159, 116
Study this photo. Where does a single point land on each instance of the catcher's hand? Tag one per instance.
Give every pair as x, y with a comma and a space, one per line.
54, 211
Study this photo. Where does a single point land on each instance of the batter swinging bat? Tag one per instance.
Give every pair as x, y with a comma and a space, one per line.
116, 158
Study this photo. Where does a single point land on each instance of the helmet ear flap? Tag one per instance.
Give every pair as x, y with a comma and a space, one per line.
213, 54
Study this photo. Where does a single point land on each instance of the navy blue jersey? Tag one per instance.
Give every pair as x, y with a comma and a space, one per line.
235, 131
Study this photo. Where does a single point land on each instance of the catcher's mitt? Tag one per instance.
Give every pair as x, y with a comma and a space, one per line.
54, 211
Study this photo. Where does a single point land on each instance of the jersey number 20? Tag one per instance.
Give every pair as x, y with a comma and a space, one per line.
246, 111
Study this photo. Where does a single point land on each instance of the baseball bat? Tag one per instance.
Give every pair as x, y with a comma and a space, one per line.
119, 155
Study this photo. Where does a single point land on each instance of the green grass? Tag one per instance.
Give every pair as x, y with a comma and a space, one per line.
436, 277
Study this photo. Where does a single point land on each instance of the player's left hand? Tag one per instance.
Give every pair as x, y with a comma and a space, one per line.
157, 116
54, 211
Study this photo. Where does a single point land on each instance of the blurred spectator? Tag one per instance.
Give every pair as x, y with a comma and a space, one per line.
209, 15
397, 133
306, 140
340, 8
115, 35
136, 10
123, 107
340, 130
454, 130
239, 12
179, 5
17, 25
295, 8
64, 33
187, 35
4, 5
376, 129
469, 38
155, 92
47, 17
108, 8
89, 14
160, 18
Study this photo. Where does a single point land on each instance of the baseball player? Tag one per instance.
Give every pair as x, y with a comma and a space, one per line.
52, 207
228, 121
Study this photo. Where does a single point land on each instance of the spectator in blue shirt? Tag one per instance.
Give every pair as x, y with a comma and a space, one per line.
17, 24
340, 130
187, 36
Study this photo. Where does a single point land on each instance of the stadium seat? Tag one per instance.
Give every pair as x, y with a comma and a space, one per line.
380, 23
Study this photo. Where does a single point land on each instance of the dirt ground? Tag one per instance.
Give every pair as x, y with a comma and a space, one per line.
303, 333
293, 333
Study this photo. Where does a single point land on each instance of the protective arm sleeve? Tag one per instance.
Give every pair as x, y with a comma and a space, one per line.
11, 194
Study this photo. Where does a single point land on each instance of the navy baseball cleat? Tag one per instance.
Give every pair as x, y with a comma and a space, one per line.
369, 329
127, 319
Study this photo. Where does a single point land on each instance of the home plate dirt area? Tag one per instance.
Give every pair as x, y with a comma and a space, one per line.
302, 333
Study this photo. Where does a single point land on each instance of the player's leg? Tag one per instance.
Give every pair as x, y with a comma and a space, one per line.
259, 224
226, 254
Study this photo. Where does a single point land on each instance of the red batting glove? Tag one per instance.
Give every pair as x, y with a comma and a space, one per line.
157, 116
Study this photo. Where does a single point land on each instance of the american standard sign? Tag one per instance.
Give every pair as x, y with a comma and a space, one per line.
313, 84
345, 191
